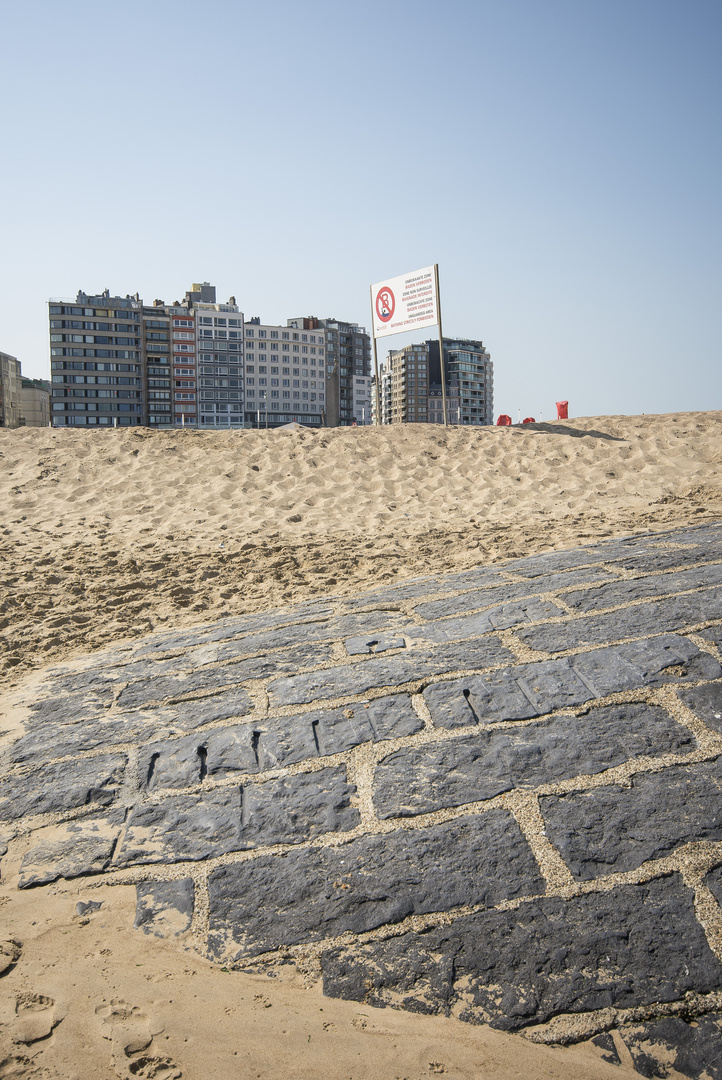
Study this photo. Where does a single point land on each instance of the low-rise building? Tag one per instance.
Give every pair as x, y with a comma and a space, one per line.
10, 380
35, 402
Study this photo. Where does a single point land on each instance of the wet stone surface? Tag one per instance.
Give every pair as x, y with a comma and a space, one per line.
412, 786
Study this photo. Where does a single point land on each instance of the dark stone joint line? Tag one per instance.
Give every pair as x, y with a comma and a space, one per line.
202, 752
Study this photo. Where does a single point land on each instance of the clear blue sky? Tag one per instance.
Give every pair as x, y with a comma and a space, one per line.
559, 159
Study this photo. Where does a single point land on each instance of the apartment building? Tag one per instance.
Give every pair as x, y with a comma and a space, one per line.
208, 360
10, 386
96, 361
410, 384
156, 335
348, 355
470, 373
362, 404
285, 374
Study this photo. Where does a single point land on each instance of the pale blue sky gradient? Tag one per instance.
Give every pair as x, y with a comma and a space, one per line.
559, 159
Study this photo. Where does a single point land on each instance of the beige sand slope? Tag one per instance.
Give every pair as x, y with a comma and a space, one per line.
107, 535
111, 534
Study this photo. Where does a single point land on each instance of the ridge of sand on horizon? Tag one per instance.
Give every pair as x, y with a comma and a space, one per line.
111, 534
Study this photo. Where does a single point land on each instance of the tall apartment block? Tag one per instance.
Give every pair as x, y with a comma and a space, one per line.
285, 374
218, 347
156, 346
96, 361
469, 381
348, 354
410, 384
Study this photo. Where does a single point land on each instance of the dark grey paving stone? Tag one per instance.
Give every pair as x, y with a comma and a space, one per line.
169, 687
614, 829
164, 908
661, 558
706, 702
417, 589
690, 1049
622, 592
289, 739
713, 881
498, 618
189, 715
229, 628
508, 592
47, 741
419, 779
657, 616
310, 895
289, 810
332, 629
418, 663
70, 850
368, 644
555, 562
530, 690
68, 705
635, 945
274, 742
713, 634
91, 782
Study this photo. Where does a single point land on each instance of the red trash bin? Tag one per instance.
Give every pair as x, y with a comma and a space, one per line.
562, 410
528, 420
503, 421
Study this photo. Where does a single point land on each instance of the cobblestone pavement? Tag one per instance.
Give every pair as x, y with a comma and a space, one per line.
492, 794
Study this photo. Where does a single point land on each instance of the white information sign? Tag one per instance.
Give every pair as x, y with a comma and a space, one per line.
405, 303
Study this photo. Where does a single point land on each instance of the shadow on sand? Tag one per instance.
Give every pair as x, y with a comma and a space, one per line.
576, 433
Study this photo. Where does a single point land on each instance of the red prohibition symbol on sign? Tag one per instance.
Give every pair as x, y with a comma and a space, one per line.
385, 304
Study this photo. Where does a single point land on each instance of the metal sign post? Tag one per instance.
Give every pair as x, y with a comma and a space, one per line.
376, 360
441, 343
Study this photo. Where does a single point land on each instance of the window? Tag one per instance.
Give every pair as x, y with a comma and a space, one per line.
285, 348
261, 333
220, 322
249, 333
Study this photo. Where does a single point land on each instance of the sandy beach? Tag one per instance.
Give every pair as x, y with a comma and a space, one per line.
108, 536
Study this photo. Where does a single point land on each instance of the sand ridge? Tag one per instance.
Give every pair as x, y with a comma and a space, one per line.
106, 535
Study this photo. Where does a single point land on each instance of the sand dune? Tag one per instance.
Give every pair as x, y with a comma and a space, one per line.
110, 534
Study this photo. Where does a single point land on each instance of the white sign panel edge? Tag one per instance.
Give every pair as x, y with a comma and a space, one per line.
407, 302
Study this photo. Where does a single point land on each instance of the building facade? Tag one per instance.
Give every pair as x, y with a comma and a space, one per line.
362, 403
348, 355
470, 374
410, 384
96, 361
219, 387
157, 367
10, 387
285, 374
34, 402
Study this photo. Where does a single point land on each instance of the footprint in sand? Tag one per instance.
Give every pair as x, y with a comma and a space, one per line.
131, 1031
35, 1018
9, 954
